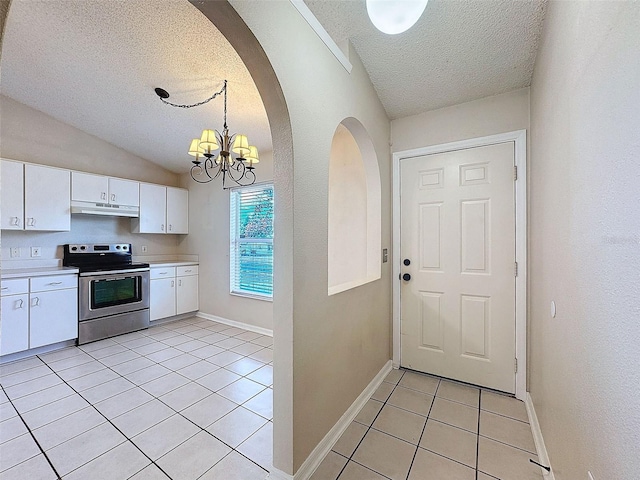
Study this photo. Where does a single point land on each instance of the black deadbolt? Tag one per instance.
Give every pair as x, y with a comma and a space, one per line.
407, 262
406, 277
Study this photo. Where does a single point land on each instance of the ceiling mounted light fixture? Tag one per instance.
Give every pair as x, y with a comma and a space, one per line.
395, 16
209, 164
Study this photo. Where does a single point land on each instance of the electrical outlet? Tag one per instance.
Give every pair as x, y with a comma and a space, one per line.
143, 249
35, 251
590, 476
15, 252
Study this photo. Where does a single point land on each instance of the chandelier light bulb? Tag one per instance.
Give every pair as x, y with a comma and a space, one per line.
395, 16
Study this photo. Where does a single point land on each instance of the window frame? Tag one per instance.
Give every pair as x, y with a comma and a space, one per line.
236, 241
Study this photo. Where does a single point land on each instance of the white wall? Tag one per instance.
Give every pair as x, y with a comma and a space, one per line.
64, 146
209, 237
487, 116
585, 238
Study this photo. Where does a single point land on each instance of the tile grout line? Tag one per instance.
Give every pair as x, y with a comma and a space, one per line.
424, 428
32, 436
369, 427
478, 432
110, 422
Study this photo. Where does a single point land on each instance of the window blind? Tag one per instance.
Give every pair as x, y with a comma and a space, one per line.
251, 267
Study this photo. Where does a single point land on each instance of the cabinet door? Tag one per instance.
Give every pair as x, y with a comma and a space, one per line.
14, 336
177, 210
12, 195
47, 198
153, 209
162, 298
124, 192
187, 294
53, 317
86, 187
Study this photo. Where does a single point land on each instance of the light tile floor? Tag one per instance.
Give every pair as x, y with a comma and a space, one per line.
419, 427
193, 400
186, 400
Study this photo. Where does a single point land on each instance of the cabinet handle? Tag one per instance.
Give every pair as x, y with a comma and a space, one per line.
15, 221
170, 227
113, 197
162, 273
187, 271
179, 283
162, 227
19, 303
173, 283
35, 302
5, 288
103, 195
54, 283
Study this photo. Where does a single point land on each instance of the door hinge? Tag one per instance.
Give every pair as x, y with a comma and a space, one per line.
516, 365
515, 173
515, 269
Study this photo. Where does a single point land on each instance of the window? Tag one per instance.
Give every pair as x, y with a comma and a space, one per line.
252, 240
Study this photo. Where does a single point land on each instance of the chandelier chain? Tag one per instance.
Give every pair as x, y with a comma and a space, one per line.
222, 90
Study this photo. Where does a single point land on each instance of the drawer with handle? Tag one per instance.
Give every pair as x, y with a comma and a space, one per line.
188, 270
14, 286
162, 272
53, 282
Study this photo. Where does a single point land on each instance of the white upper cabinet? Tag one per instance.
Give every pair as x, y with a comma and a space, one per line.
162, 210
153, 209
124, 192
86, 187
12, 195
47, 198
177, 210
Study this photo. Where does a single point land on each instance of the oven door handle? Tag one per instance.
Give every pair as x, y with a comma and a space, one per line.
113, 272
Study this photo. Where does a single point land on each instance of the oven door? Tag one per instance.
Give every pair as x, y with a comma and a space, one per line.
105, 294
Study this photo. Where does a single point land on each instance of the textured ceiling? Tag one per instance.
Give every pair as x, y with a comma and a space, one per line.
94, 64
459, 50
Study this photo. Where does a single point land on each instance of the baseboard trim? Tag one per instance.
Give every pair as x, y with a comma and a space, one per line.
234, 323
543, 457
326, 444
275, 474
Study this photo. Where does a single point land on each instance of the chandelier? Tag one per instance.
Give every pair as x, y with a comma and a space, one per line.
209, 163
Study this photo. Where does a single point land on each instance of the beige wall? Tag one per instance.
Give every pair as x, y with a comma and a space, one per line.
585, 238
64, 146
209, 237
487, 116
347, 241
340, 342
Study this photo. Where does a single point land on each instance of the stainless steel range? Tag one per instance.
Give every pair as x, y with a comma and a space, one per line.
113, 292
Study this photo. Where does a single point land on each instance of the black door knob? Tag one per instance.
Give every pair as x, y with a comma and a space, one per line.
407, 262
406, 277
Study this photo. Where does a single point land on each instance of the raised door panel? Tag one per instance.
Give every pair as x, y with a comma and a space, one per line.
162, 298
153, 208
47, 198
14, 336
86, 187
124, 192
187, 294
177, 210
53, 317
12, 195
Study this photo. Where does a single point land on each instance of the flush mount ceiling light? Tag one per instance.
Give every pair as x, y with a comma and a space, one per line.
238, 170
395, 16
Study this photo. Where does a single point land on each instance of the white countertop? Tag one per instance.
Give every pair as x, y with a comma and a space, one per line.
171, 264
37, 272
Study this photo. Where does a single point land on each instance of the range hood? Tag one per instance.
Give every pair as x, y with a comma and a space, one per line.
104, 209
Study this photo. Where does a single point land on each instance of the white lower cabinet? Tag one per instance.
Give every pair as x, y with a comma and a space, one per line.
173, 291
38, 311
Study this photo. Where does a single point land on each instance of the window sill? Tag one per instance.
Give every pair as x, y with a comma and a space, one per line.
252, 296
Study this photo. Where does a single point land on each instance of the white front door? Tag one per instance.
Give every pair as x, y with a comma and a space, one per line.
458, 246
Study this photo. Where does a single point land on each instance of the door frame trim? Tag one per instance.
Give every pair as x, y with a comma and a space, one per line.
519, 137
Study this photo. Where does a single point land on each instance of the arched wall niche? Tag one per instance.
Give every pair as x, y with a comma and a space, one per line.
354, 211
